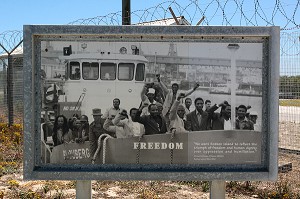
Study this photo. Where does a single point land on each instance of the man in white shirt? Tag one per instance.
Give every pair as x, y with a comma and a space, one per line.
227, 117
130, 126
242, 122
177, 113
172, 94
113, 110
253, 118
147, 97
222, 121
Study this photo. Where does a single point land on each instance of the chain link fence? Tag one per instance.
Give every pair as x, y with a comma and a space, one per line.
215, 12
11, 91
11, 76
289, 91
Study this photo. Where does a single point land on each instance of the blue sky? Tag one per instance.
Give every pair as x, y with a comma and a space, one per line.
283, 13
16, 13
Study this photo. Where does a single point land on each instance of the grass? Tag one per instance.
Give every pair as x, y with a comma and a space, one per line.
11, 150
290, 102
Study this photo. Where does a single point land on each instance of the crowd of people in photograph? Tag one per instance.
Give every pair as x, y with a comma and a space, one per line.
161, 110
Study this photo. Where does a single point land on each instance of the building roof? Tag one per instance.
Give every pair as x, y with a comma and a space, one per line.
165, 22
18, 52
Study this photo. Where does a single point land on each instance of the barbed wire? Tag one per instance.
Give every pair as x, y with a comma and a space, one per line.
216, 12
290, 44
9, 40
281, 13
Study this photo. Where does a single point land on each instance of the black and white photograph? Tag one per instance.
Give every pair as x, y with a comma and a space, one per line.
151, 102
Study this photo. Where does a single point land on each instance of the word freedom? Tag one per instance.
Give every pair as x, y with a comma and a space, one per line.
157, 145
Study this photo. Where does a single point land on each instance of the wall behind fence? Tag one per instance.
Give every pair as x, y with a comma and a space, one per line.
3, 91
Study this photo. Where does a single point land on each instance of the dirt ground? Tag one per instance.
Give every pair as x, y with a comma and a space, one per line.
289, 135
13, 186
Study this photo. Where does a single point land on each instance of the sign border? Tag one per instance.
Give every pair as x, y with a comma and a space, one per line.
33, 169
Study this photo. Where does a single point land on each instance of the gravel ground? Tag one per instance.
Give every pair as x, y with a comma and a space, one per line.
147, 189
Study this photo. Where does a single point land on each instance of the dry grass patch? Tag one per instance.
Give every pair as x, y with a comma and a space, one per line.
290, 102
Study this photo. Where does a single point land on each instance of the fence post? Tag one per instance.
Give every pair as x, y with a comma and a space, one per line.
83, 189
4, 80
10, 96
217, 189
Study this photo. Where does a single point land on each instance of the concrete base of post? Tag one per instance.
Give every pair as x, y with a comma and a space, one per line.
217, 189
83, 189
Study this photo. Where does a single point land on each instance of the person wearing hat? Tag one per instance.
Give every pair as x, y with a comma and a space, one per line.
96, 129
172, 95
83, 133
147, 97
253, 115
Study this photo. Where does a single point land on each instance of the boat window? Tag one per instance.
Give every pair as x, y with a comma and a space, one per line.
74, 70
108, 71
244, 87
126, 71
140, 72
90, 71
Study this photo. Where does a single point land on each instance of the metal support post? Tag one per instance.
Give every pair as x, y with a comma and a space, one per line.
126, 15
174, 16
217, 189
10, 99
83, 189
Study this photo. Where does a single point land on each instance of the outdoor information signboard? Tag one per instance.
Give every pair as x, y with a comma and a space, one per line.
138, 102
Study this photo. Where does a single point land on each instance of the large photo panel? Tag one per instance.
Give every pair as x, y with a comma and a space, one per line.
141, 95
151, 102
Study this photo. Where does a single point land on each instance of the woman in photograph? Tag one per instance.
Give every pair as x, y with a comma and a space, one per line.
61, 133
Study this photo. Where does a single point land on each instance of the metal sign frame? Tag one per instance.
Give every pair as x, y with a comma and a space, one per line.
34, 35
